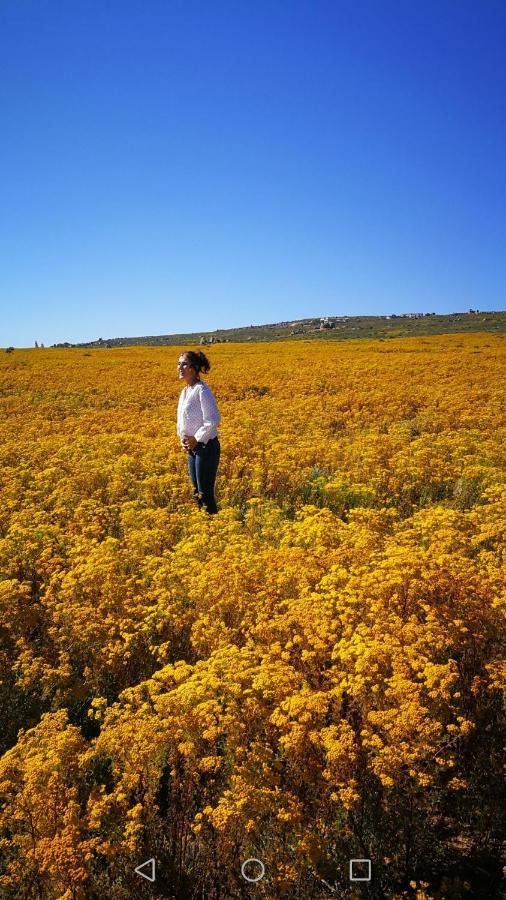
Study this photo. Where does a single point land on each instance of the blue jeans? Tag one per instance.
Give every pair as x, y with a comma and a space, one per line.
202, 467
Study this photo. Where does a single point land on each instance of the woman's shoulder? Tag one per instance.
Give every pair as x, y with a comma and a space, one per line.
205, 391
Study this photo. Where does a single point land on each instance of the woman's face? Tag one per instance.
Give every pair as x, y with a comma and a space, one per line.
185, 369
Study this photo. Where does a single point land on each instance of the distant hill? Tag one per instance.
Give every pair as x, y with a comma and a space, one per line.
336, 328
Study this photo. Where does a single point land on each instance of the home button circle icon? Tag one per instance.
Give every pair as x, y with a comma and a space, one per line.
249, 869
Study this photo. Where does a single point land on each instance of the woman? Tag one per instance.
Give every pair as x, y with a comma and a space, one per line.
197, 426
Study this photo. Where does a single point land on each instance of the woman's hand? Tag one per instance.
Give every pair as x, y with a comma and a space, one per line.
189, 442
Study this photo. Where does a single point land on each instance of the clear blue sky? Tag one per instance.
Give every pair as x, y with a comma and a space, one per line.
176, 166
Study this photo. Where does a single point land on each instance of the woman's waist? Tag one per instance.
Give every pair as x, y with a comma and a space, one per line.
211, 440
191, 430
211, 436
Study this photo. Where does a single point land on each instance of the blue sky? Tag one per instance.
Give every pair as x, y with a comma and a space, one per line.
173, 166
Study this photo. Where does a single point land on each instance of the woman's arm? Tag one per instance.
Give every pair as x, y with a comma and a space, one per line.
210, 414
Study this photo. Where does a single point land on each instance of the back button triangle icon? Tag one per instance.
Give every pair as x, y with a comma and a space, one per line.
146, 870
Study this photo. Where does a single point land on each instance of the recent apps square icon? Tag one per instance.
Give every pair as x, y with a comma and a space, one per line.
360, 869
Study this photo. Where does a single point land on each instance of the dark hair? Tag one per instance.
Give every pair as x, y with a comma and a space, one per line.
198, 359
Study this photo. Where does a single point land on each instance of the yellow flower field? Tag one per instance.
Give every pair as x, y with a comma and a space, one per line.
312, 675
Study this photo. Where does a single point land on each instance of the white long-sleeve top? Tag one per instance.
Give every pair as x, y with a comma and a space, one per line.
197, 413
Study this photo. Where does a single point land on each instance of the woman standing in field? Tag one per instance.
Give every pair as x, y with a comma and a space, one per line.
197, 426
